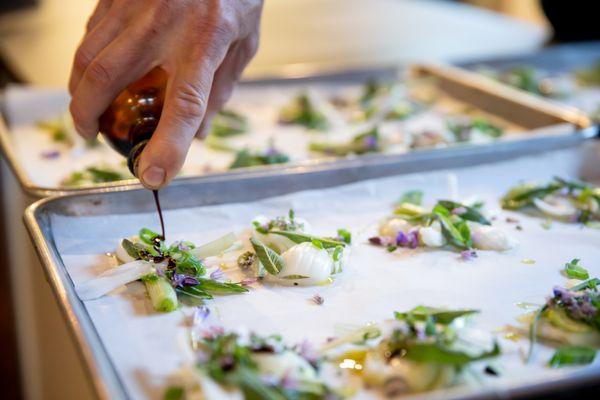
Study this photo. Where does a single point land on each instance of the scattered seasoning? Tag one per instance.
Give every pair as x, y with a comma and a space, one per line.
512, 220
246, 260
318, 299
528, 261
248, 282
50, 154
468, 255
547, 224
491, 370
519, 227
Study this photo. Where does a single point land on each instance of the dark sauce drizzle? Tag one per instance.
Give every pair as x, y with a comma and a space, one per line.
160, 214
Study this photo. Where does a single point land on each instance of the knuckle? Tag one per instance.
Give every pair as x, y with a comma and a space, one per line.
83, 58
99, 73
188, 103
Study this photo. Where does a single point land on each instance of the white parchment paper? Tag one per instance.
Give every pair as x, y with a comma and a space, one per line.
147, 347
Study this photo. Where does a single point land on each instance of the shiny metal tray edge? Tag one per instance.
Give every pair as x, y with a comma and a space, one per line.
98, 366
102, 371
459, 78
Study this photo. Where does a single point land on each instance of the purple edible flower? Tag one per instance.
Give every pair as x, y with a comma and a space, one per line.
459, 211
402, 239
413, 239
182, 246
248, 282
50, 154
468, 255
318, 299
370, 142
200, 315
181, 280
217, 275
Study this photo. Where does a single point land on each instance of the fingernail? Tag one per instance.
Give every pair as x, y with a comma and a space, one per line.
153, 177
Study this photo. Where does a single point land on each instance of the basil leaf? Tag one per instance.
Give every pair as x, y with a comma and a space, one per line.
174, 393
271, 261
440, 316
412, 197
195, 292
471, 213
453, 235
131, 249
147, 236
572, 355
215, 287
298, 237
575, 271
436, 353
345, 235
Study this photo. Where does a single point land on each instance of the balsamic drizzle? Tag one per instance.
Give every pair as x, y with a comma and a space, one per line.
160, 214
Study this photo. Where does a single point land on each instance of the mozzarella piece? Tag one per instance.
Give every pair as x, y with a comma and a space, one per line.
490, 238
392, 226
556, 206
431, 236
305, 259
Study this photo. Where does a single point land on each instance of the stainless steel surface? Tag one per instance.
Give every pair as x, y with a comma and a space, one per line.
228, 189
535, 114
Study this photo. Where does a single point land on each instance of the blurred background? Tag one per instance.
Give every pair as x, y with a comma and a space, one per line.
38, 39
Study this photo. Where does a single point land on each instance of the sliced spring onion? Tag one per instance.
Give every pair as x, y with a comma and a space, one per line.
113, 279
161, 293
215, 247
572, 355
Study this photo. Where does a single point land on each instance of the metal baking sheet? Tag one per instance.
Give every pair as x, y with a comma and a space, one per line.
541, 120
73, 233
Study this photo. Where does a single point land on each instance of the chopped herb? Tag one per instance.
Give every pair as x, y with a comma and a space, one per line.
227, 123
344, 235
270, 260
575, 271
303, 111
174, 393
367, 142
318, 299
412, 197
244, 158
246, 260
572, 355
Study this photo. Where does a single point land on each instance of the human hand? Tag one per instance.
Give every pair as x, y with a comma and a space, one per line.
203, 45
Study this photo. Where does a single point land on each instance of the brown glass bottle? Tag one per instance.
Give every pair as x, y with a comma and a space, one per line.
131, 119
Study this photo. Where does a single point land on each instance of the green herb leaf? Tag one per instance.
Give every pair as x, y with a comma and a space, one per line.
437, 353
214, 287
271, 261
453, 235
131, 249
149, 237
589, 284
533, 330
470, 213
576, 271
174, 393
440, 316
412, 197
345, 235
572, 355
298, 237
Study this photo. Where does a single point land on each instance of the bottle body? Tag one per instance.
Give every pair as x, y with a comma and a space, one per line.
131, 119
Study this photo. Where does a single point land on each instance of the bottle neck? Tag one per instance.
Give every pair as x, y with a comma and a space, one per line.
133, 158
